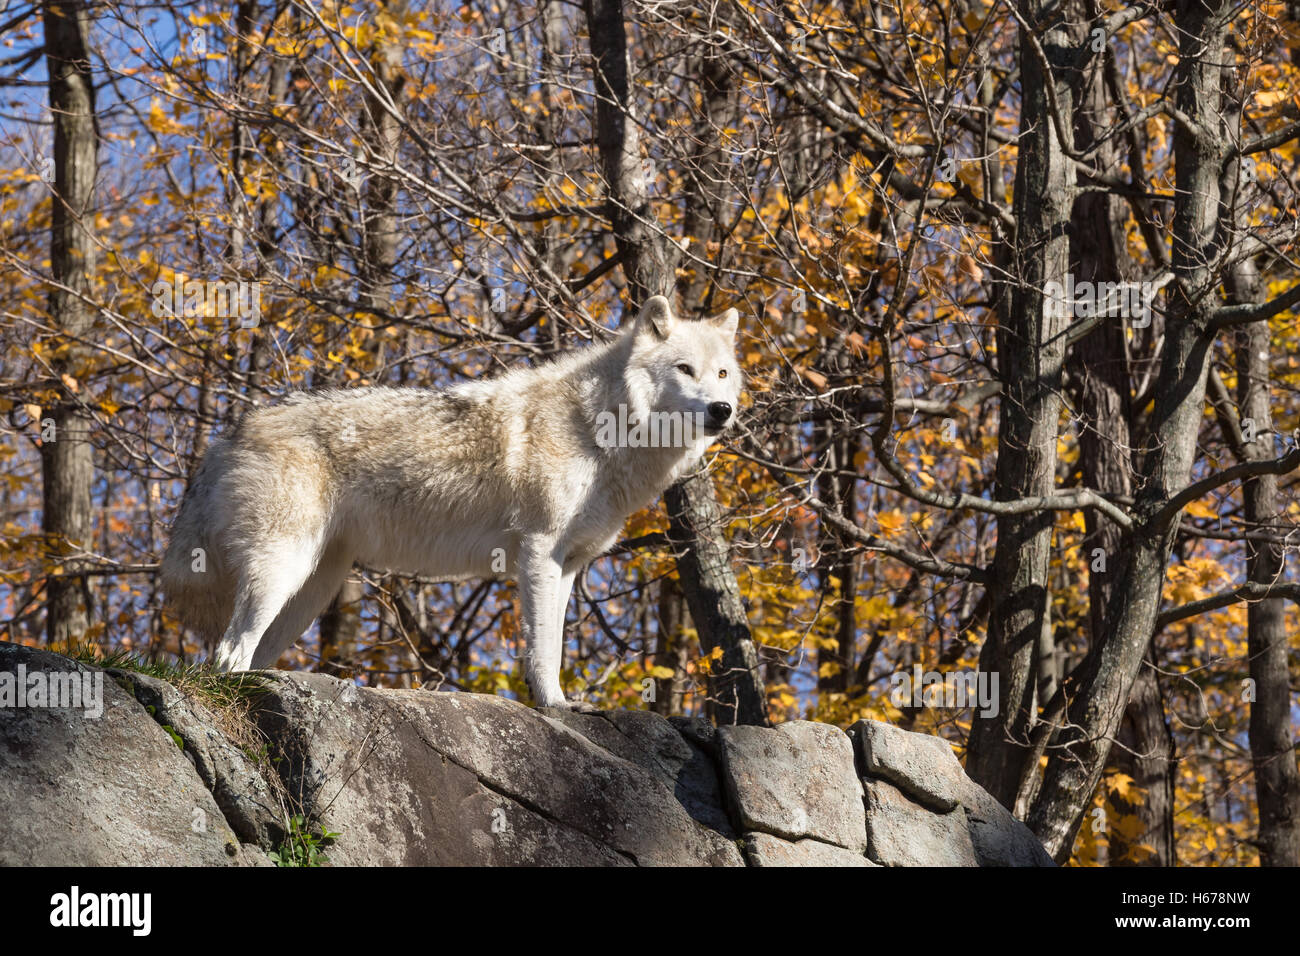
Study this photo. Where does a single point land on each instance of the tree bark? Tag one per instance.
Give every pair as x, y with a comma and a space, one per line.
1031, 352
835, 665
1099, 364
1099, 690
1272, 748
649, 260
67, 468
1145, 751
704, 566
670, 650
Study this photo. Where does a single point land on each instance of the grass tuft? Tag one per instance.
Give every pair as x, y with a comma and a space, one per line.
216, 689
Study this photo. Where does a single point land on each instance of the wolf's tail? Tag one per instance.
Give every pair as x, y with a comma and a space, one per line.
196, 581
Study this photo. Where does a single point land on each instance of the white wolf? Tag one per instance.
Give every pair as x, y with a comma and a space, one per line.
525, 474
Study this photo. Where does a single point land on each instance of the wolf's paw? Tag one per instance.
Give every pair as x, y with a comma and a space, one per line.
574, 705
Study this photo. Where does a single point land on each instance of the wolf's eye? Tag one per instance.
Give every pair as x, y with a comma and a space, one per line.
722, 373
686, 370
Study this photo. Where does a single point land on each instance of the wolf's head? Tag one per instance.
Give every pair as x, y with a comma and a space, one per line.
686, 368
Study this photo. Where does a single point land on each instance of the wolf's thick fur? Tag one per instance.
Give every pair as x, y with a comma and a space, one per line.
450, 484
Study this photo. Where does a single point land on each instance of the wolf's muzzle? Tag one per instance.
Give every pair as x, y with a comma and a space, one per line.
719, 415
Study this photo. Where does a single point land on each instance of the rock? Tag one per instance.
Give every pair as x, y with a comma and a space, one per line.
363, 769
515, 750
925, 769
652, 743
763, 849
795, 780
113, 790
439, 770
999, 838
416, 777
699, 732
903, 832
922, 766
250, 806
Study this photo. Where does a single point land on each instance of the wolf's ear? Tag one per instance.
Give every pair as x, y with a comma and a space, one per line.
727, 322
657, 315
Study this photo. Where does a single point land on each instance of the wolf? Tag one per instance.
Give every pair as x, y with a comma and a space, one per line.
528, 475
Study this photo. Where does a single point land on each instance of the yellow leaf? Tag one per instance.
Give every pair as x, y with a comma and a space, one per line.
817, 379
890, 523
1122, 784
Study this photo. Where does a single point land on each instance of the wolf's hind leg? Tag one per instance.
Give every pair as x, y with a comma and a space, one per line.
267, 583
312, 598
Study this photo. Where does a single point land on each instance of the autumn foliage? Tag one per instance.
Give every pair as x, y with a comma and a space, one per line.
418, 193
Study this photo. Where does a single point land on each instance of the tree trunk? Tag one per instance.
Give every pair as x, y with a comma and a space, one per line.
649, 258
67, 468
670, 650
1272, 750
704, 566
649, 261
835, 665
1145, 751
1100, 687
1030, 356
340, 629
1099, 364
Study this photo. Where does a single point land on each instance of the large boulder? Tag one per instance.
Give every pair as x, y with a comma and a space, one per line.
795, 780
444, 778
923, 767
151, 771
903, 832
99, 784
922, 809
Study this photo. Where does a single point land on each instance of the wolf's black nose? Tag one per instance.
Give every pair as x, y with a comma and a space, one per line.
720, 412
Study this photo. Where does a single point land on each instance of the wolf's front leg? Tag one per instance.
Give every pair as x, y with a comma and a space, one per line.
543, 592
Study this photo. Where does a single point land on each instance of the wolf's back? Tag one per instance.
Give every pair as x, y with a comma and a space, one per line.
195, 579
